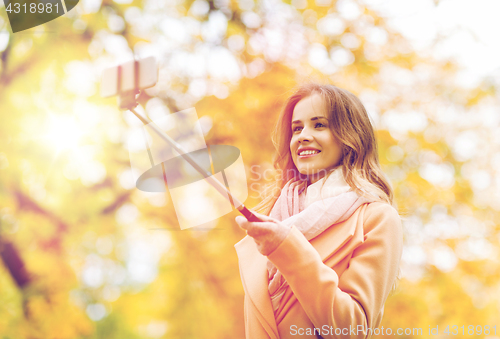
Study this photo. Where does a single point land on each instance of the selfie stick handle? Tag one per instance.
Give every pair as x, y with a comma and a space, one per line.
215, 183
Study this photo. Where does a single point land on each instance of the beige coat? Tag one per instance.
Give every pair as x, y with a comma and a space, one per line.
338, 281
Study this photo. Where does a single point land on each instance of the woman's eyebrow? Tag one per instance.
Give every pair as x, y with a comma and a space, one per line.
313, 118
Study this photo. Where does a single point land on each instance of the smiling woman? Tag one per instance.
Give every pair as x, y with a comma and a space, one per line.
326, 255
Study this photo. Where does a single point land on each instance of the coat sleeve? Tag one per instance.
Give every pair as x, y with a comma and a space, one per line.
356, 300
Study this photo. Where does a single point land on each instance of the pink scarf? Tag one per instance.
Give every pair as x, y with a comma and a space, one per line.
311, 220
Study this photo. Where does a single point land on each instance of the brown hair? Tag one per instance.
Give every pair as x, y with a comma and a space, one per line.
351, 125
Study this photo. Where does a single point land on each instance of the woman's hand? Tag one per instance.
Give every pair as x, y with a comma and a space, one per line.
267, 234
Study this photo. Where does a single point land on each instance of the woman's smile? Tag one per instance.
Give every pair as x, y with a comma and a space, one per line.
309, 155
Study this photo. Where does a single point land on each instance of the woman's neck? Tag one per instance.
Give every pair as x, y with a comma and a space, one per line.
311, 179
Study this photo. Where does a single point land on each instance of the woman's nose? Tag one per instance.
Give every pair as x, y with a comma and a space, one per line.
304, 139
305, 135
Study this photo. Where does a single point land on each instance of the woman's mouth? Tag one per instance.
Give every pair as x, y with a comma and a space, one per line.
309, 154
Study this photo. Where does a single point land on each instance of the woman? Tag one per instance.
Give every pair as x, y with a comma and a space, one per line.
326, 256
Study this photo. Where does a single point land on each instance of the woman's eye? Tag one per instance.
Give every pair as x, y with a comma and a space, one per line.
318, 123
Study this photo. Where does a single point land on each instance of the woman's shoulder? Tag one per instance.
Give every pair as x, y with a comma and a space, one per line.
381, 215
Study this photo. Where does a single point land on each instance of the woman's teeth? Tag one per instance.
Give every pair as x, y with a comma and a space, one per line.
308, 152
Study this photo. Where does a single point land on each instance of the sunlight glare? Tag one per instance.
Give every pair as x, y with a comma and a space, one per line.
63, 133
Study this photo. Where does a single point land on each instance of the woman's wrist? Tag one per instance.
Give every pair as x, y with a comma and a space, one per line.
278, 238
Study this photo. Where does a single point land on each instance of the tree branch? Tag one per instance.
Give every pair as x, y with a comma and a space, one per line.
14, 263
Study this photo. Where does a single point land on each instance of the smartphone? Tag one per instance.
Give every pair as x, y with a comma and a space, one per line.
129, 76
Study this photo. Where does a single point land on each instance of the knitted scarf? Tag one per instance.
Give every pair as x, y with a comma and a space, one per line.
312, 209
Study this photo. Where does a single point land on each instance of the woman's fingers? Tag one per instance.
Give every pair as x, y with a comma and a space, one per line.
267, 234
241, 221
264, 217
260, 231
254, 229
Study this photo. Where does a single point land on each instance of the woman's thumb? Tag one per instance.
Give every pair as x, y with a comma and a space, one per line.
239, 219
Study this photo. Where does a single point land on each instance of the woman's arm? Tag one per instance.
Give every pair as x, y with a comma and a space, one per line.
357, 298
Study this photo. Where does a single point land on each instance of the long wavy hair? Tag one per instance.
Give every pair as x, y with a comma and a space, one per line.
351, 126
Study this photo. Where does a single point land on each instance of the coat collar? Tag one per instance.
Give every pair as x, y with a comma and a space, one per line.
333, 244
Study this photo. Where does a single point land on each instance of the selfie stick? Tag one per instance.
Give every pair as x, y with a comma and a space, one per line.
215, 183
128, 101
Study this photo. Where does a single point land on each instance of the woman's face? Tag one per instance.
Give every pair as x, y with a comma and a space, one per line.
311, 131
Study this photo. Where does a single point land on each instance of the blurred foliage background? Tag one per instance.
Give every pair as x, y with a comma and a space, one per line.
86, 255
